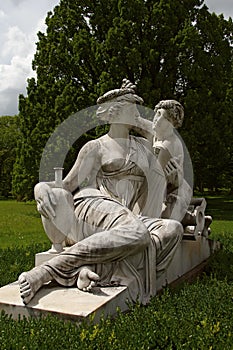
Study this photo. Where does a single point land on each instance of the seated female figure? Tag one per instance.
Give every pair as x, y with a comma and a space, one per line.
111, 243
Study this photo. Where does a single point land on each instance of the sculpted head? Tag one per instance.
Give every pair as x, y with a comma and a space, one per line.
174, 111
113, 102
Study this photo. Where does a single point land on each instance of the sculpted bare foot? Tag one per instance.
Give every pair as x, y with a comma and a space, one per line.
87, 279
30, 282
27, 291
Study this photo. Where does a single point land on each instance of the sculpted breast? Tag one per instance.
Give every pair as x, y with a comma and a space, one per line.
113, 165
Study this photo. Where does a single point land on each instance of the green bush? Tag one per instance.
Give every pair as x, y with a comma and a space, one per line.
197, 316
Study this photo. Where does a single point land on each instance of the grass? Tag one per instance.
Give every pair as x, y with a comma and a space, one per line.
221, 210
220, 207
20, 224
196, 316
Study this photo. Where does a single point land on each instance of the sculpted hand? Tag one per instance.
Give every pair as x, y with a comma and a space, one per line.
45, 200
174, 172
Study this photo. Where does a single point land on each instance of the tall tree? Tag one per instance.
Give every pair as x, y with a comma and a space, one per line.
9, 135
205, 78
170, 48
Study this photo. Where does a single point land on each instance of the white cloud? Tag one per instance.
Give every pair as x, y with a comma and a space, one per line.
13, 75
2, 14
12, 82
17, 52
17, 43
20, 21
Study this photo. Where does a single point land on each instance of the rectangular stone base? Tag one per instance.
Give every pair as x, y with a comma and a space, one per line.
66, 303
73, 304
189, 255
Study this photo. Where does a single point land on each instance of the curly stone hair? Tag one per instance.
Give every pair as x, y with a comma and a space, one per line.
126, 92
175, 111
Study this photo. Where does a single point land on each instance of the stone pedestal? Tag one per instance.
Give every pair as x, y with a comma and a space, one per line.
73, 304
189, 255
66, 303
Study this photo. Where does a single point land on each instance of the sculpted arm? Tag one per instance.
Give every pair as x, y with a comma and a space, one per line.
85, 168
144, 128
171, 157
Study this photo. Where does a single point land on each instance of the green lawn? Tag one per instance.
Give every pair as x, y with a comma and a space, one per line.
221, 210
20, 224
220, 207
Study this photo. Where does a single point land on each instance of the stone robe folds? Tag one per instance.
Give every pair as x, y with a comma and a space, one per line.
113, 235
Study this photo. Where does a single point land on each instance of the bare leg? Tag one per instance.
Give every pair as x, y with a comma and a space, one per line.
112, 235
30, 282
86, 279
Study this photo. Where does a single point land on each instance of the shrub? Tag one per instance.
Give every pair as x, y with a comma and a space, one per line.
197, 316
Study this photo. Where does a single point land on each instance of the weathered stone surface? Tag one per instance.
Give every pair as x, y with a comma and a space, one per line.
66, 303
73, 304
123, 207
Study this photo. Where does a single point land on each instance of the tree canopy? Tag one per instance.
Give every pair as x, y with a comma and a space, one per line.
170, 48
8, 141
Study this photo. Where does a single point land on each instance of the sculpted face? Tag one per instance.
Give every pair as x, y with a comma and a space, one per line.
119, 112
161, 123
128, 113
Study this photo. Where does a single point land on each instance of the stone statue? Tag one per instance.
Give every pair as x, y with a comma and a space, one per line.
178, 203
168, 149
101, 207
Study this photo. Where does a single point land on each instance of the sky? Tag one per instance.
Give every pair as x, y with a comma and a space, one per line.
20, 21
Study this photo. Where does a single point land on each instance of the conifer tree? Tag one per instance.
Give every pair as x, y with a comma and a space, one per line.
170, 48
9, 136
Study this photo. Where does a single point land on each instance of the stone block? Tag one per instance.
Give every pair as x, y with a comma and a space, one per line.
66, 303
73, 304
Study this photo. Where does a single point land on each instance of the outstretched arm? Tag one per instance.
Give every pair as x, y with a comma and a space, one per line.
144, 128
